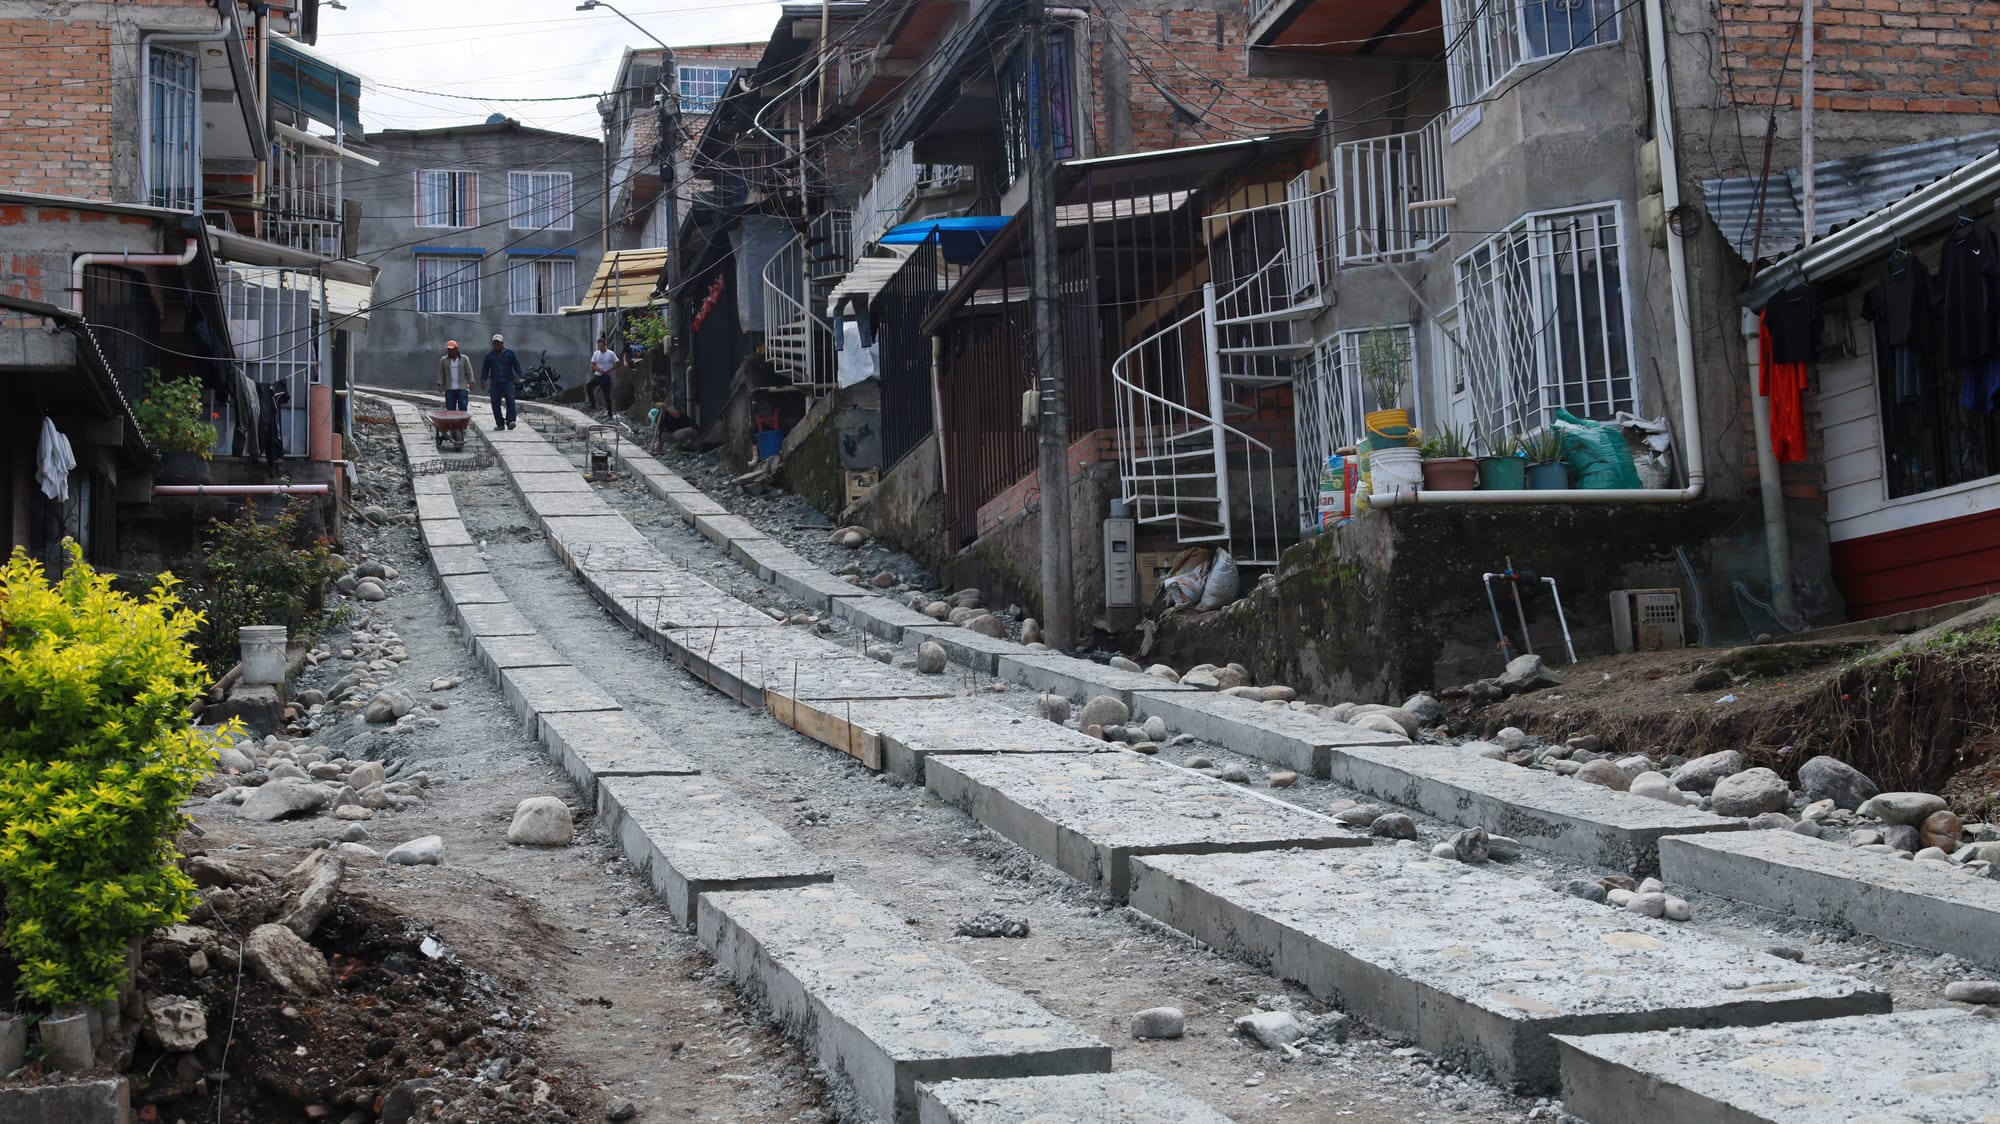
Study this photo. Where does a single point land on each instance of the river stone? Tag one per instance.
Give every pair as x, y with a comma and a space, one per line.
1902, 807
1602, 773
1159, 1022
1394, 825
424, 850
541, 821
931, 658
986, 624
278, 955
1378, 723
1941, 830
1749, 793
1469, 846
1105, 710
1702, 773
1526, 673
282, 798
1902, 837
1973, 991
1055, 708
1655, 786
937, 610
231, 759
1424, 708
1162, 671
1828, 778
366, 774
1124, 664
1031, 631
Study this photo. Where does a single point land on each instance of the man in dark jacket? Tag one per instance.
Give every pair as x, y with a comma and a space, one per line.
499, 374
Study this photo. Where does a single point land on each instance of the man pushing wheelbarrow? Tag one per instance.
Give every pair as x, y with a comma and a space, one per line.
455, 377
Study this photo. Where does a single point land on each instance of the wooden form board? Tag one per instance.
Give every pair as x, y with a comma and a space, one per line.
827, 722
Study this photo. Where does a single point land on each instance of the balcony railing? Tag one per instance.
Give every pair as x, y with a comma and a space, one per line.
304, 207
1390, 195
900, 180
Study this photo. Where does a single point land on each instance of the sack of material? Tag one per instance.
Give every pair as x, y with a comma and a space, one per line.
1184, 584
1224, 583
1595, 452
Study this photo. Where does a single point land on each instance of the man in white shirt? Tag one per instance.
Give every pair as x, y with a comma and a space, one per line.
455, 377
602, 362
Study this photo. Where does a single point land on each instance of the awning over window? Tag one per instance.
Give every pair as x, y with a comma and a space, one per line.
314, 84
625, 279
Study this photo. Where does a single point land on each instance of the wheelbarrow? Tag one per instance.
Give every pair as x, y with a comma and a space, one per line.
449, 424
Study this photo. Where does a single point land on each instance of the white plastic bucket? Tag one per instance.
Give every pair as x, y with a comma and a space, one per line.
263, 647
1392, 469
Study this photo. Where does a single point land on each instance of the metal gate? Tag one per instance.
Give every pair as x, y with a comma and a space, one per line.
274, 323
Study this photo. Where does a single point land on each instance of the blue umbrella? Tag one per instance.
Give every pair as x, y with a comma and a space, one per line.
961, 239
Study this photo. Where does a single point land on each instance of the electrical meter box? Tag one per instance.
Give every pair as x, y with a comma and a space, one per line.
1121, 563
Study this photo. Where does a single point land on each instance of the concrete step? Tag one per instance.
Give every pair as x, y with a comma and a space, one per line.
591, 745
498, 653
914, 730
577, 537
1280, 735
537, 692
878, 1008
880, 616
980, 652
1477, 967
1929, 905
436, 485
491, 620
690, 836
723, 530
443, 532
814, 588
1910, 1066
1129, 1096
523, 457
1077, 679
765, 557
536, 483
472, 589
546, 505
436, 506
449, 560
1090, 815
1545, 811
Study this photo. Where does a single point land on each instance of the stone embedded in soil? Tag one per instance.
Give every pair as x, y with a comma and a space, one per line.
931, 659
1828, 778
1284, 778
1942, 830
986, 624
1702, 773
1902, 807
1054, 708
353, 812
1973, 991
424, 850
541, 821
1031, 631
277, 955
281, 798
1587, 889
1394, 825
1105, 710
1603, 773
1527, 673
175, 1023
991, 924
1159, 1022
1271, 1029
1235, 774
1750, 793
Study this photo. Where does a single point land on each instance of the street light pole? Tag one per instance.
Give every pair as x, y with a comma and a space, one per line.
1052, 383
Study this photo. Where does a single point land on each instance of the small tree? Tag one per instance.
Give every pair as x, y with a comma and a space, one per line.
253, 570
1385, 365
172, 417
96, 758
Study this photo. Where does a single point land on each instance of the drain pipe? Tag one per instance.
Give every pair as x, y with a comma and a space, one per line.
84, 261
1770, 484
239, 489
1690, 435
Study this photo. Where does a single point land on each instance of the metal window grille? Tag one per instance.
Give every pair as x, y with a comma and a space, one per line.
1376, 181
1544, 321
448, 282
1488, 38
540, 286
305, 200
832, 238
1017, 105
273, 321
702, 86
447, 198
172, 151
538, 200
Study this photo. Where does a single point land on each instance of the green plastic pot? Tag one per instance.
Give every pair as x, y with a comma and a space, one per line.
1504, 474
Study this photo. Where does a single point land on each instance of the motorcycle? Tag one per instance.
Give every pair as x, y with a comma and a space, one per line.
540, 381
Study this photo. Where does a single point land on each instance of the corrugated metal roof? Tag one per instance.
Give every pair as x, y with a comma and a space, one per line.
1845, 190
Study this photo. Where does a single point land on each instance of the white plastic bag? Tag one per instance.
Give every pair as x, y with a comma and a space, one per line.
1224, 583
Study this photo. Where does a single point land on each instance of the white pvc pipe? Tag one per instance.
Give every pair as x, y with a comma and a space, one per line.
239, 489
76, 268
1690, 435
1770, 482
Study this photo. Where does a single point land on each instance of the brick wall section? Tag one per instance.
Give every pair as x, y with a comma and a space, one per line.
1909, 56
735, 55
44, 275
55, 121
1097, 447
1189, 52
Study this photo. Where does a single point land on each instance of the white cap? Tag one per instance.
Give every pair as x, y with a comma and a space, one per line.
499, 338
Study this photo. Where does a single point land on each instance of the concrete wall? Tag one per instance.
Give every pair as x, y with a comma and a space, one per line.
906, 507
402, 345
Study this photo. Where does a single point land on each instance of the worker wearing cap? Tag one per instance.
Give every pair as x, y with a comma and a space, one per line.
455, 377
499, 373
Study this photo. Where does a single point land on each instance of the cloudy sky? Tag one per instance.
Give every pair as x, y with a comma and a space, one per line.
489, 51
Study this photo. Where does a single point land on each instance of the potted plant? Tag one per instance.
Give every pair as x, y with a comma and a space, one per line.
1502, 468
1448, 463
1384, 358
175, 423
1546, 469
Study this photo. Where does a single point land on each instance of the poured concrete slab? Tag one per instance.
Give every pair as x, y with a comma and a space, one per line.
473, 589
540, 460
491, 620
691, 836
814, 588
439, 485
539, 483
592, 745
976, 650
537, 691
742, 662
1930, 905
883, 1011
1475, 966
443, 532
880, 616
913, 730
1296, 740
431, 505
725, 529
449, 560
578, 537
1058, 674
1090, 815
1129, 1096
1886, 1069
645, 558
498, 653
765, 557
1545, 811
693, 505
546, 504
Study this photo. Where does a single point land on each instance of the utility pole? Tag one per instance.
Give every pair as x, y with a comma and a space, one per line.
1051, 380
1806, 95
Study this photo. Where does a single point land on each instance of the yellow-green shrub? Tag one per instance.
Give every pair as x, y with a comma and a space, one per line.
96, 757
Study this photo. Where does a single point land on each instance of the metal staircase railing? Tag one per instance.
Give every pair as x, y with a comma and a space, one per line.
793, 335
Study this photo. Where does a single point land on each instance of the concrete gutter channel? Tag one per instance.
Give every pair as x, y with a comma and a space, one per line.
1472, 965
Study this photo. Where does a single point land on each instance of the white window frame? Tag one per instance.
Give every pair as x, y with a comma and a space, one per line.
539, 201
454, 290
705, 77
170, 143
1523, 357
540, 284
1487, 39
465, 183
